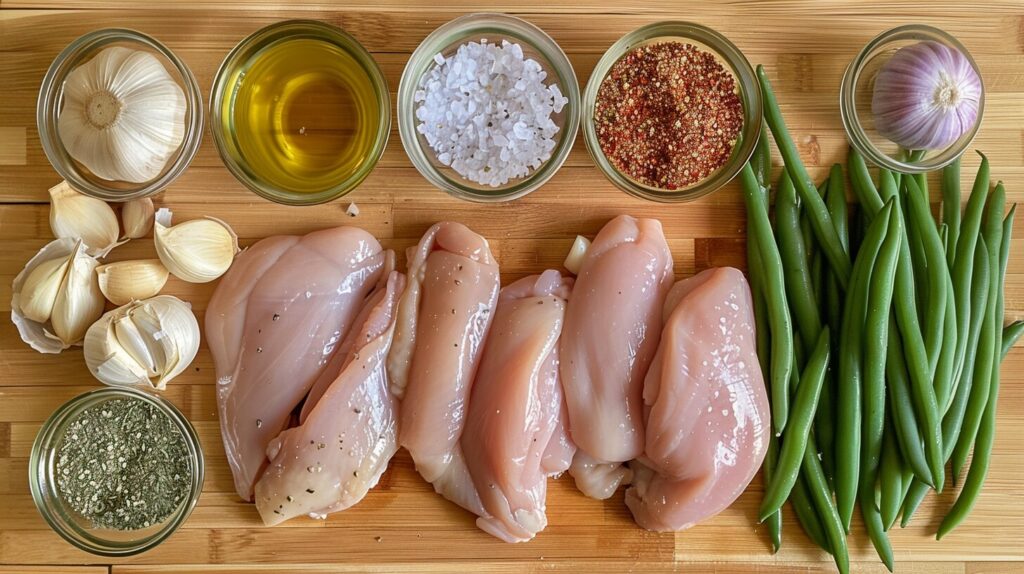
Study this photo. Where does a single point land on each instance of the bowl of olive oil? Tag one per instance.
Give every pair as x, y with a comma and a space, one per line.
300, 112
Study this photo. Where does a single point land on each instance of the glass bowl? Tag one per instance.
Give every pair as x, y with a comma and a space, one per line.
855, 102
222, 106
729, 55
51, 101
75, 528
494, 28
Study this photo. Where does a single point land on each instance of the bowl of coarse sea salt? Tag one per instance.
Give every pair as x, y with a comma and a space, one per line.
488, 107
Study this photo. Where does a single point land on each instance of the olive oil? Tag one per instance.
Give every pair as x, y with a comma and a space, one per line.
304, 115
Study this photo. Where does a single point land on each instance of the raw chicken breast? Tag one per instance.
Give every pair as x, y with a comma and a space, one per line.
612, 326
331, 460
443, 318
706, 406
272, 325
515, 431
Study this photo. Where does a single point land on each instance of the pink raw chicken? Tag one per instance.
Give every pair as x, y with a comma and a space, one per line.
515, 435
612, 326
706, 407
443, 318
350, 432
272, 325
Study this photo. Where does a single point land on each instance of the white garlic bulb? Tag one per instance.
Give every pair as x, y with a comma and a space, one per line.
197, 251
137, 216
77, 216
123, 116
145, 343
126, 281
56, 296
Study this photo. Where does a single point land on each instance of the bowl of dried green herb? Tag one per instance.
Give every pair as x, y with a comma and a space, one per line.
116, 471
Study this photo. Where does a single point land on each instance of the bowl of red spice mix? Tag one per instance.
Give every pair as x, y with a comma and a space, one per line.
672, 111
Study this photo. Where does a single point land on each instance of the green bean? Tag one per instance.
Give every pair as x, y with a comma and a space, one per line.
774, 522
817, 487
992, 234
875, 344
807, 515
761, 161
980, 339
903, 417
918, 259
794, 439
1011, 333
775, 294
835, 202
987, 430
935, 259
890, 477
963, 271
851, 365
863, 188
912, 501
922, 392
944, 381
951, 207
799, 288
826, 233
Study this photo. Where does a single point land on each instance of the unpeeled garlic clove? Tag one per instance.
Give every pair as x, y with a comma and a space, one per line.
79, 302
41, 288
197, 251
56, 297
77, 216
145, 343
126, 281
137, 217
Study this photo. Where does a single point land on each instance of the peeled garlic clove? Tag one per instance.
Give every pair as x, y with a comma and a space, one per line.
123, 115
197, 251
77, 216
41, 288
79, 302
574, 260
126, 281
145, 343
76, 302
137, 216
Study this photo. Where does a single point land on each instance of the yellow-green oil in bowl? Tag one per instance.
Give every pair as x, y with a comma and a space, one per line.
300, 117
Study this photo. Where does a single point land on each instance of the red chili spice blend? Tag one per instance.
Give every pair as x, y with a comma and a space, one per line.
668, 115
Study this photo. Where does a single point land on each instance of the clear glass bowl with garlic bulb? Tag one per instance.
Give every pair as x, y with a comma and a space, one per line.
119, 115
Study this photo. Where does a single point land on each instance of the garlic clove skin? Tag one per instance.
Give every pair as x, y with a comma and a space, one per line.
145, 343
41, 288
123, 116
126, 281
926, 96
74, 215
76, 302
137, 217
79, 302
197, 251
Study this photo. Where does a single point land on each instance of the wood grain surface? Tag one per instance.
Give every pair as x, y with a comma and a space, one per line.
402, 526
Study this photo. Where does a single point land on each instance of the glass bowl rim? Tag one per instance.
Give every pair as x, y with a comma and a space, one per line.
851, 118
46, 439
460, 30
283, 31
746, 80
51, 91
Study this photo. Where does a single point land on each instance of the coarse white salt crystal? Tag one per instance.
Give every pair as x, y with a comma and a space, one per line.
487, 113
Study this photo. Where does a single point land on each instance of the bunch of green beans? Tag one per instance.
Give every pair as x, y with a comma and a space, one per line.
880, 337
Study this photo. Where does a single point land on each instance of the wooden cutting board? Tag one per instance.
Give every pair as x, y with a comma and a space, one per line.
402, 526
